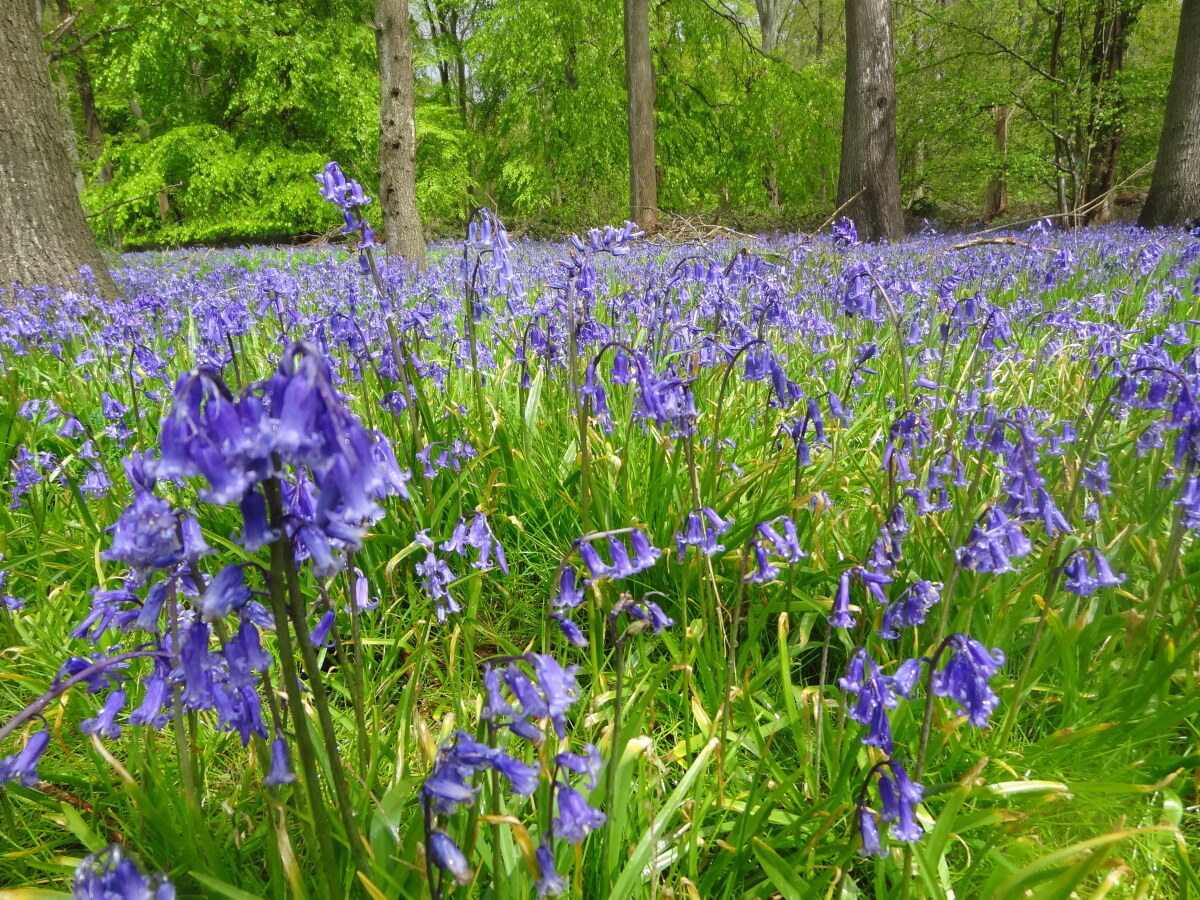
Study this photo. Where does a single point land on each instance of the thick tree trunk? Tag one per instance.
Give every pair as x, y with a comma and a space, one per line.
639, 85
996, 203
1110, 36
869, 123
397, 131
1175, 189
44, 238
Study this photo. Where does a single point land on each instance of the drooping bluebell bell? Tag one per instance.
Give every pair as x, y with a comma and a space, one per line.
910, 608
111, 875
23, 766
549, 882
704, 527
436, 578
876, 694
899, 797
966, 678
588, 764
447, 856
150, 534
478, 535
993, 543
226, 593
105, 724
281, 768
575, 817
1087, 570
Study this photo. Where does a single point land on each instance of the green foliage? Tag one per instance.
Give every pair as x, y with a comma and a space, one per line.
521, 104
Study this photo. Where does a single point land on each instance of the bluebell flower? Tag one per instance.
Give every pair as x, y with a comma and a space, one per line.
570, 592
281, 768
965, 678
570, 630
841, 617
321, 636
910, 609
549, 882
436, 578
110, 875
105, 724
575, 818
446, 855
226, 593
588, 764
704, 527
151, 535
868, 829
22, 766
522, 778
899, 796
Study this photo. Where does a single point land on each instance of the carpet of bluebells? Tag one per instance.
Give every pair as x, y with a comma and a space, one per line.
776, 567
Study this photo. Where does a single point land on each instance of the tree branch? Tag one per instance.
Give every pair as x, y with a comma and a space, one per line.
83, 42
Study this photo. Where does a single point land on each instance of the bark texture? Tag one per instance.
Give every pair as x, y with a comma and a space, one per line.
869, 123
397, 131
996, 202
44, 237
1175, 189
639, 85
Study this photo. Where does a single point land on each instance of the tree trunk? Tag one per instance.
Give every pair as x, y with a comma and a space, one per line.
87, 97
639, 85
44, 238
869, 123
164, 199
996, 203
397, 131
1110, 37
1175, 189
768, 25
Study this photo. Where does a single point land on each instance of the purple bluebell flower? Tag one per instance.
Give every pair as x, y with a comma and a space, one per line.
841, 617
436, 578
868, 829
570, 592
910, 608
22, 766
226, 593
281, 768
965, 678
321, 635
446, 855
570, 630
575, 818
110, 875
549, 882
899, 796
704, 526
105, 723
588, 764
151, 535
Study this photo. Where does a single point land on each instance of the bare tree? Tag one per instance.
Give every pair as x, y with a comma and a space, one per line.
44, 238
639, 85
1175, 189
869, 123
398, 131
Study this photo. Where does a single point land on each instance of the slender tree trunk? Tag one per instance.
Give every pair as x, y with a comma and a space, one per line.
44, 238
164, 199
639, 85
398, 131
869, 123
1175, 189
996, 203
87, 98
768, 25
1060, 142
1109, 39
820, 28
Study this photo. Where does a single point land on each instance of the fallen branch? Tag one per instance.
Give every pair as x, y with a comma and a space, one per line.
134, 199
